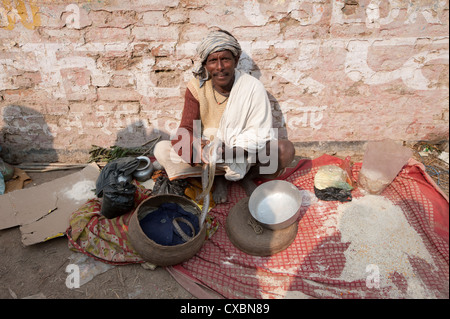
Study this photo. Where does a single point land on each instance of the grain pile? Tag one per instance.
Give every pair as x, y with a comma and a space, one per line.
380, 236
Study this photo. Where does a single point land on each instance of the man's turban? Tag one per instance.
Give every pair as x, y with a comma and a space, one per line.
215, 41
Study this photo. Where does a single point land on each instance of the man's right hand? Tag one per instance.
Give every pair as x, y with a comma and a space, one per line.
207, 151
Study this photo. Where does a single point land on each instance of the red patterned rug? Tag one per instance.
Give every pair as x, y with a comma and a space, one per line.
313, 266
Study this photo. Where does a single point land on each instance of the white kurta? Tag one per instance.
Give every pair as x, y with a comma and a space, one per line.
246, 122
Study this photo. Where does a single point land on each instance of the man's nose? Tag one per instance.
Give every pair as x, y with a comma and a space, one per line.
219, 64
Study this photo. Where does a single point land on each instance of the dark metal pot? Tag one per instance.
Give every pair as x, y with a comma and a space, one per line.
159, 254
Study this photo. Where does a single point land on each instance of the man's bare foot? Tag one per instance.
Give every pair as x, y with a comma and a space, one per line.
248, 185
220, 192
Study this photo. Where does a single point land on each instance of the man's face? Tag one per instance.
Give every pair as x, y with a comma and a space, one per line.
221, 67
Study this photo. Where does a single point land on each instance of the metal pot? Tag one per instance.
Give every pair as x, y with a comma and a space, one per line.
275, 204
144, 170
159, 254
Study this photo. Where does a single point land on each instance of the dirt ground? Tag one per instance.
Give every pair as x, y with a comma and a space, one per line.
39, 271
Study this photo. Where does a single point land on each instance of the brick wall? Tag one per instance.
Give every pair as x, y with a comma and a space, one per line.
104, 72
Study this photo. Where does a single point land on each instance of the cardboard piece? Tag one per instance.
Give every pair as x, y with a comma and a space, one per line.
43, 211
19, 180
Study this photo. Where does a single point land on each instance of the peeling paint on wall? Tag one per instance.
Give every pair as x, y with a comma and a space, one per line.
13, 12
108, 71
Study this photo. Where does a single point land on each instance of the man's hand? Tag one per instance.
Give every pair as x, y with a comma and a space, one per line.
211, 149
205, 151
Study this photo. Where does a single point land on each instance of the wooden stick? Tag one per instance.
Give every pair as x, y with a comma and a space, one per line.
44, 167
43, 170
50, 164
152, 140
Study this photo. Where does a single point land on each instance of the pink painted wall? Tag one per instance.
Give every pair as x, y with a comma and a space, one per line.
77, 73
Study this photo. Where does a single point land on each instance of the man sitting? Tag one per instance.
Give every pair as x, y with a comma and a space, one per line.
230, 111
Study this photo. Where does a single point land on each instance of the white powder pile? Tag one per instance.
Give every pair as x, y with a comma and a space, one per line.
80, 191
380, 235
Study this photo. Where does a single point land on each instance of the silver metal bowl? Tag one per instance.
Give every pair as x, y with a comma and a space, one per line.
275, 204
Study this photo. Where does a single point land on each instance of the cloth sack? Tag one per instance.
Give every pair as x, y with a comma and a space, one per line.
118, 196
331, 183
124, 166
